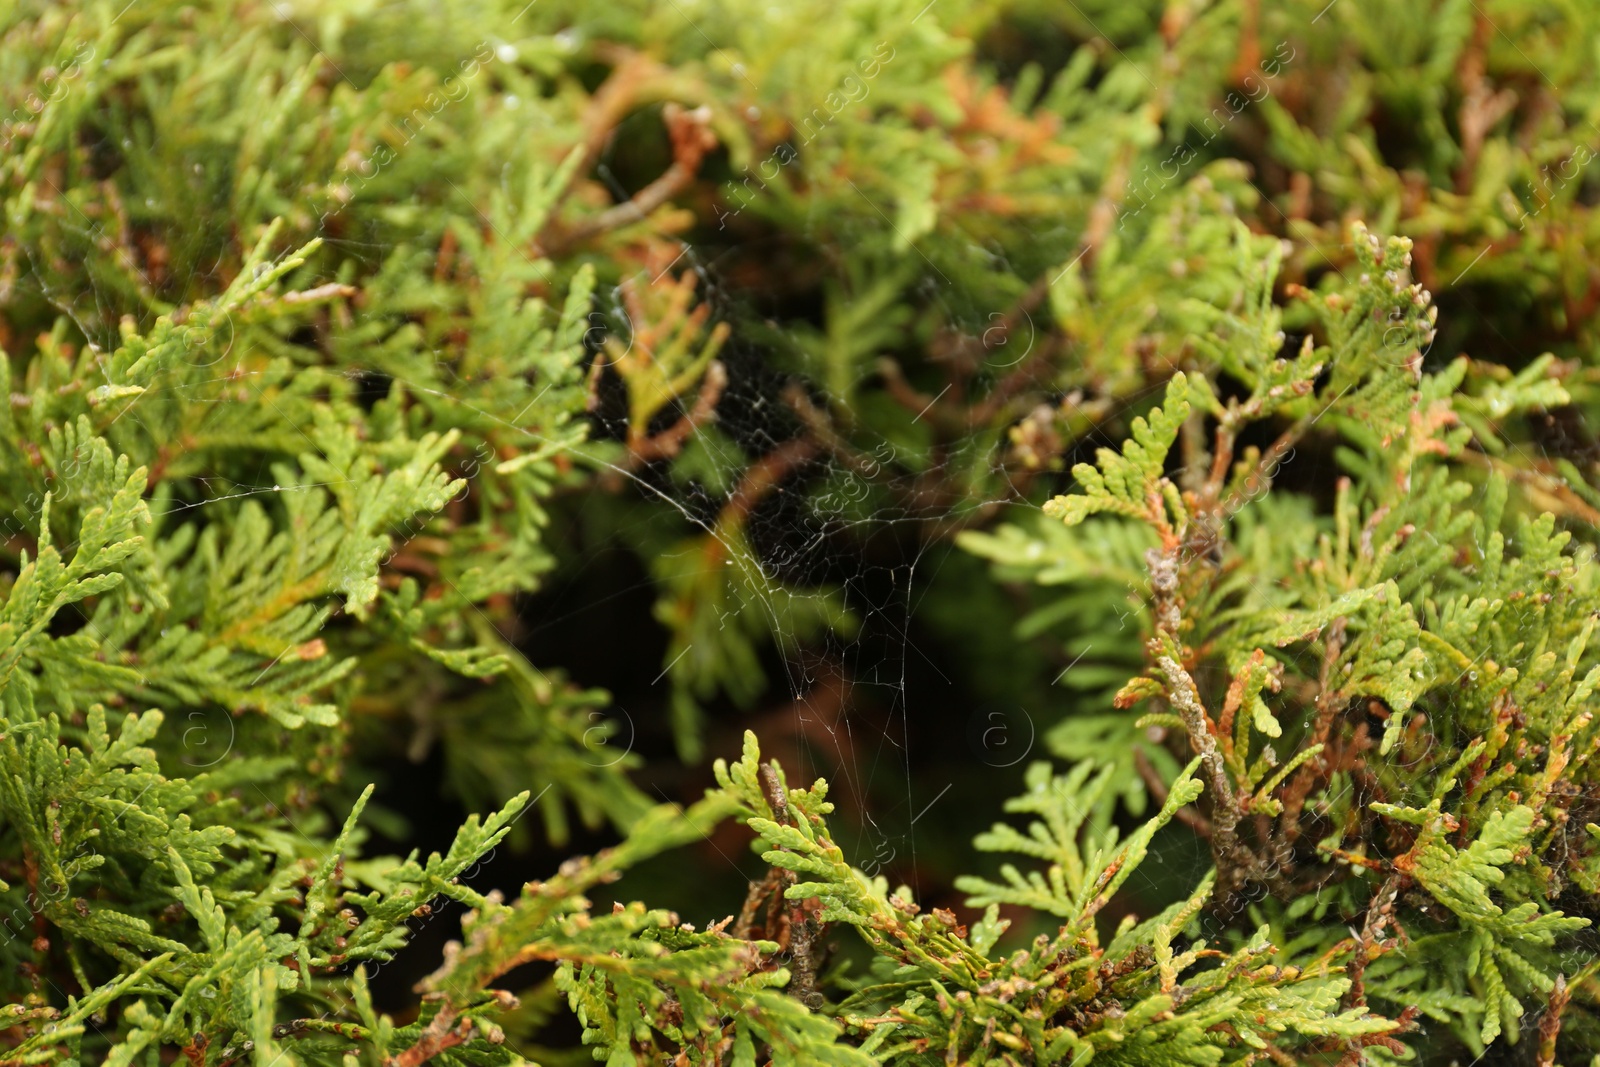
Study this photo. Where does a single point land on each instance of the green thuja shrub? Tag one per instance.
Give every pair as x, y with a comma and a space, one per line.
1248, 352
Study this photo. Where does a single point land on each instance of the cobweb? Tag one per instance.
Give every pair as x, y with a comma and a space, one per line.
884, 711
866, 706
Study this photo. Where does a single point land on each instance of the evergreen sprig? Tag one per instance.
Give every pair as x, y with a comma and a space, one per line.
328, 337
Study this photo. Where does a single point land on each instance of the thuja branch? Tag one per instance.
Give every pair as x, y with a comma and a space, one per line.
1237, 862
1158, 789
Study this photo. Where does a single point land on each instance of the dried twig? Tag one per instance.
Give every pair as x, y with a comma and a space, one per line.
669, 442
763, 474
1185, 700
1550, 1025
691, 140
1380, 912
439, 1035
607, 107
1329, 703
802, 934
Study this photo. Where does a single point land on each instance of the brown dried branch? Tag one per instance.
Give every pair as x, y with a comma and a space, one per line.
691, 140
817, 424
1546, 492
438, 1036
757, 894
1329, 703
607, 107
1260, 479
1237, 863
1026, 373
902, 391
669, 442
776, 798
330, 291
1481, 107
763, 474
1185, 700
802, 930
1380, 913
1550, 1025
1249, 55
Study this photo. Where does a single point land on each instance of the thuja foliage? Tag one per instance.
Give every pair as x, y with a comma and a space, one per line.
1252, 346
